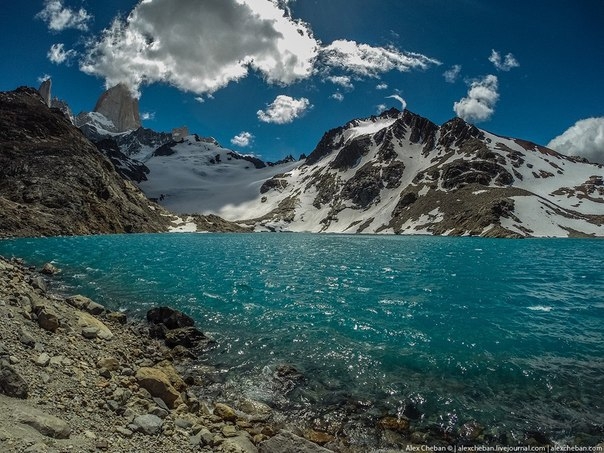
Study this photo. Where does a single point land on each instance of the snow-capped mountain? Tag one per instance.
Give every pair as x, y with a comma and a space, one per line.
394, 173
401, 173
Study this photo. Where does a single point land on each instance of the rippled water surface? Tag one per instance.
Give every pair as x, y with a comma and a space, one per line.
506, 332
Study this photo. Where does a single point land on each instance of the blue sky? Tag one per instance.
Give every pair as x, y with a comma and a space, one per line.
271, 76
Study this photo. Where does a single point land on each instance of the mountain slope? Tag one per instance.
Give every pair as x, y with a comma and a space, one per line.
400, 173
53, 181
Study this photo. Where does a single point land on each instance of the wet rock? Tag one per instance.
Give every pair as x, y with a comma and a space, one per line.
172, 319
288, 442
148, 424
189, 337
471, 430
49, 269
412, 412
397, 424
45, 424
157, 384
225, 412
318, 437
11, 383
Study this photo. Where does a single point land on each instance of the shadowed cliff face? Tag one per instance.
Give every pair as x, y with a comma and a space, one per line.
53, 181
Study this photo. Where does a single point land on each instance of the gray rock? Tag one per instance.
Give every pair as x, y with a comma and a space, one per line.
43, 360
286, 441
49, 269
45, 424
148, 424
90, 332
11, 383
45, 91
182, 423
160, 412
241, 444
124, 431
48, 320
39, 283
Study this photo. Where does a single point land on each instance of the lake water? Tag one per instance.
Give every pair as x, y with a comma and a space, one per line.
509, 333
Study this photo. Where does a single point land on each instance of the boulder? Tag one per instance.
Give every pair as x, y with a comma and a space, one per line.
148, 424
238, 444
169, 317
225, 412
49, 269
11, 382
84, 303
286, 441
158, 384
188, 337
45, 424
86, 320
48, 320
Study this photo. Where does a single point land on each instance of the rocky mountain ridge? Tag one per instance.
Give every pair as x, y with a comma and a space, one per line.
400, 173
54, 181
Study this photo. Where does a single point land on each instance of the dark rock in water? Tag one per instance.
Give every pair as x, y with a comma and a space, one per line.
397, 424
49, 269
537, 438
288, 378
172, 319
189, 337
11, 383
158, 331
412, 412
471, 430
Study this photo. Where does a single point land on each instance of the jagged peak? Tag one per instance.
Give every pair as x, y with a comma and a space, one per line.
120, 106
455, 131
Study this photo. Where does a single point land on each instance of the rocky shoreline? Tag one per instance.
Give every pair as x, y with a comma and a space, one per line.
76, 377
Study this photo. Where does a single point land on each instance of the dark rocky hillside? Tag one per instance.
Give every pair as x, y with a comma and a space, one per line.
53, 181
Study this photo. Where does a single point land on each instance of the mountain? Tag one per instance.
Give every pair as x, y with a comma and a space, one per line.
395, 173
119, 106
53, 181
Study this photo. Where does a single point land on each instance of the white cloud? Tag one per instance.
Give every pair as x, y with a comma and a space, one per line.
145, 116
381, 86
58, 55
337, 96
343, 81
283, 110
451, 75
479, 104
380, 108
243, 139
202, 46
43, 78
59, 17
400, 99
509, 61
368, 61
585, 138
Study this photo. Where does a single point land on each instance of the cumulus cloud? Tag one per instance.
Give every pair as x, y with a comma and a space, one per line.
343, 81
585, 139
369, 61
400, 99
146, 116
508, 62
479, 104
381, 86
44, 78
201, 46
380, 108
59, 17
451, 75
284, 110
58, 55
243, 139
337, 96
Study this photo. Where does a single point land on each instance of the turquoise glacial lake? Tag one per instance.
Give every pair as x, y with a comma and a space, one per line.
509, 333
